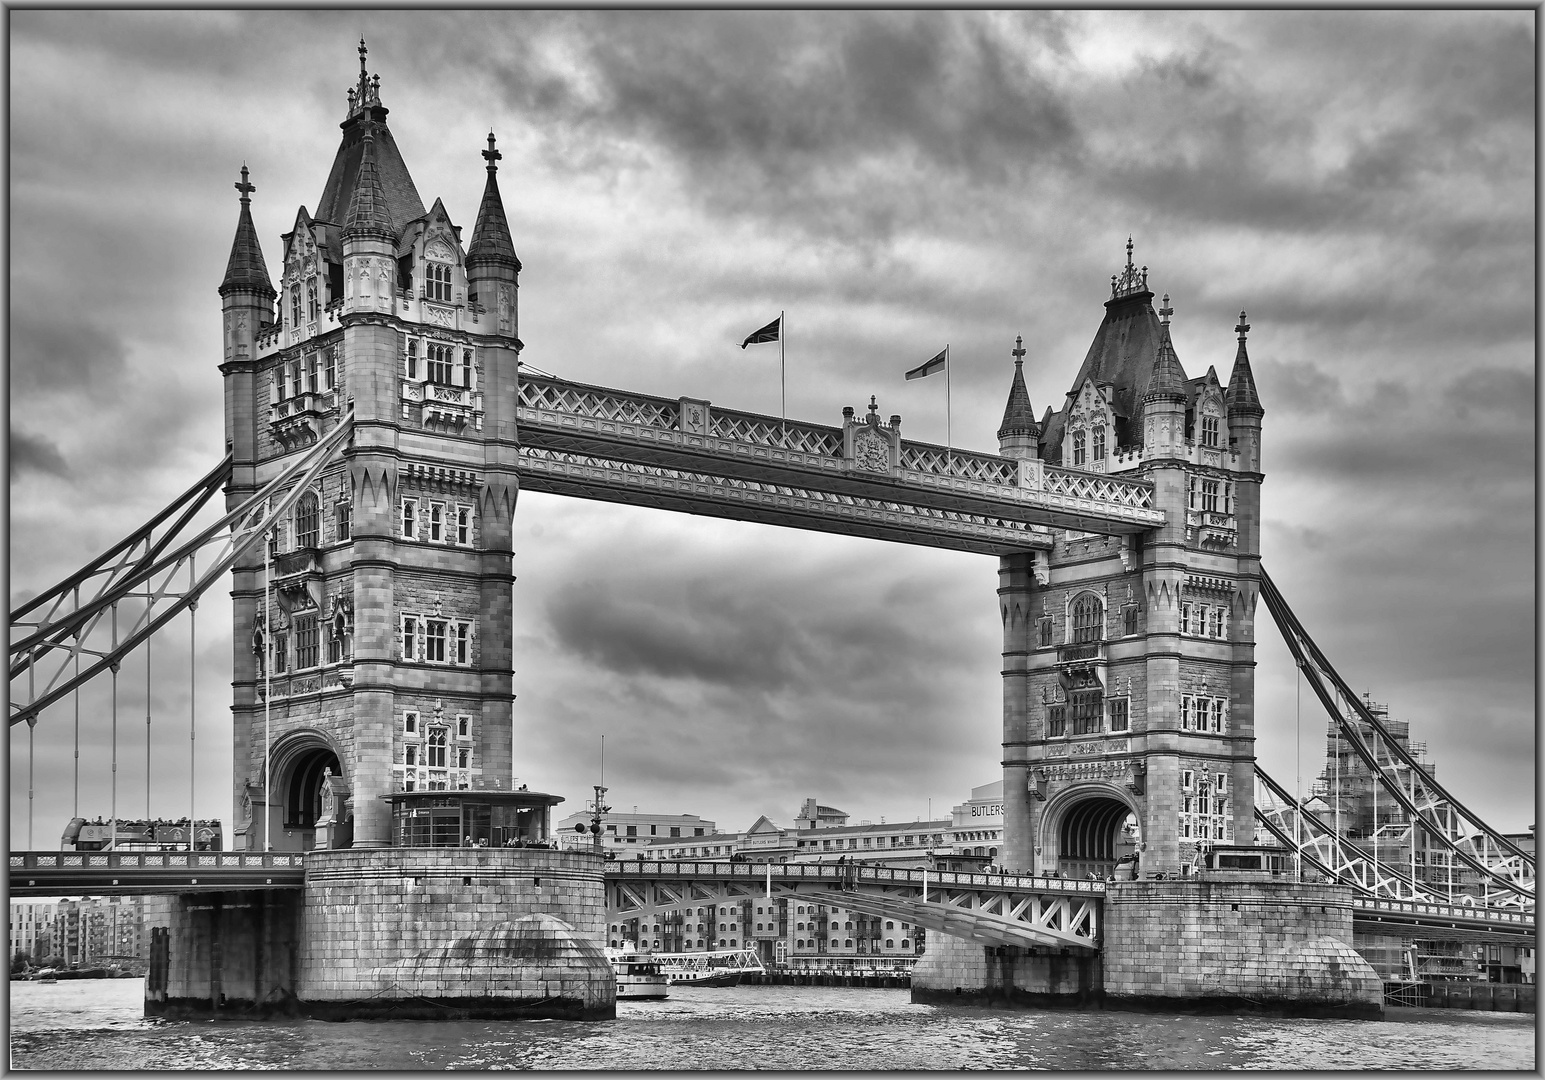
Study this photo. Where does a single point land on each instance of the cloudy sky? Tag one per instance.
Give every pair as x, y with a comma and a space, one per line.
1361, 183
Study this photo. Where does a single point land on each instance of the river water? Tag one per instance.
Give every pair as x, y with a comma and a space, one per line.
97, 1024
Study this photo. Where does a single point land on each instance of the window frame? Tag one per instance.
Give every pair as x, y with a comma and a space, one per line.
437, 281
1078, 447
409, 513
308, 641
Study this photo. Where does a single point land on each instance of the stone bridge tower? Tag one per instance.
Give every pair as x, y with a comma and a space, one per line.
380, 658
1129, 725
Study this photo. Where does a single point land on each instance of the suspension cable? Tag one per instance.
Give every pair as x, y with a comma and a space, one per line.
148, 604
113, 843
75, 813
192, 705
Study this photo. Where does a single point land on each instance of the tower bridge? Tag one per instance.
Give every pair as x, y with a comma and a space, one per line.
380, 425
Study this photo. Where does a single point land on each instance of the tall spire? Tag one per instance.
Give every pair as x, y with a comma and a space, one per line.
1019, 415
365, 94
246, 268
1240, 395
368, 212
491, 242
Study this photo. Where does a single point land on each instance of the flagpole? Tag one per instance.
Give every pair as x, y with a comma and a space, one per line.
949, 434
783, 380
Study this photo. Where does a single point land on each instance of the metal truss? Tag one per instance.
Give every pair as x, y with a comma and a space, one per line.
1500, 864
53, 631
994, 909
612, 431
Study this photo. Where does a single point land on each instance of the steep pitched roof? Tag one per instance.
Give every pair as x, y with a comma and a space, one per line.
1167, 381
402, 199
1241, 395
1122, 355
246, 267
491, 240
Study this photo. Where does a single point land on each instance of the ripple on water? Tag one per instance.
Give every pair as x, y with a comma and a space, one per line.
98, 1025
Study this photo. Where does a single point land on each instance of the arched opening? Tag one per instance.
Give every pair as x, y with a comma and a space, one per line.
1095, 834
303, 792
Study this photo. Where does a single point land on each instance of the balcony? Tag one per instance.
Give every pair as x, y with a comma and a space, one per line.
297, 421
444, 406
298, 573
1211, 529
1081, 654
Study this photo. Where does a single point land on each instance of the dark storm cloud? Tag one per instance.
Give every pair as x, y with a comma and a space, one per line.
57, 348
35, 453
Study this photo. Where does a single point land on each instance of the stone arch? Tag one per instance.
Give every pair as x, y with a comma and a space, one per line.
1082, 831
299, 761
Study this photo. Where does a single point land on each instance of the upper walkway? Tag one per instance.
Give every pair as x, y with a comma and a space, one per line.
860, 479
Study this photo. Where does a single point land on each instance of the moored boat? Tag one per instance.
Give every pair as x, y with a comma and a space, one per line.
717, 967
638, 976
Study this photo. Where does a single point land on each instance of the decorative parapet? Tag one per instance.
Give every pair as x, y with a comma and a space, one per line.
297, 421
1211, 529
442, 406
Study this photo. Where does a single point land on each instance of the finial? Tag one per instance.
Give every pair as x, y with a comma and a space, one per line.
247, 189
491, 154
1166, 311
1129, 252
362, 52
1018, 351
874, 406
1243, 328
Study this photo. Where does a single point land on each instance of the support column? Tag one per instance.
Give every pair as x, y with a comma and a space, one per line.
1015, 583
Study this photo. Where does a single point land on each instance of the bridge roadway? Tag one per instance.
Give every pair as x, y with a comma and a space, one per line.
994, 908
685, 455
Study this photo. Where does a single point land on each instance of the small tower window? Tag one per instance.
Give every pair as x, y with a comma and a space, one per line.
440, 361
307, 638
464, 525
466, 368
463, 757
1078, 448
463, 645
410, 519
313, 364
341, 514
410, 362
1044, 632
295, 305
463, 723
1209, 431
1099, 444
437, 285
1129, 620
306, 519
338, 640
313, 307
1210, 496
1119, 715
330, 364
434, 641
1056, 721
436, 521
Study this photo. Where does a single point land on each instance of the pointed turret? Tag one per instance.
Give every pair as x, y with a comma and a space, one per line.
246, 294
246, 269
1244, 406
369, 216
1019, 436
368, 116
1165, 400
493, 270
1241, 396
491, 242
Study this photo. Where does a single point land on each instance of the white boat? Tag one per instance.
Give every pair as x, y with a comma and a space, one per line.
638, 975
716, 967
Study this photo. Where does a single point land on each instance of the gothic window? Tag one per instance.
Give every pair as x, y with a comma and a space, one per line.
1185, 714
1129, 620
307, 518
440, 360
1187, 779
281, 651
410, 754
464, 525
436, 521
463, 756
1088, 618
1099, 443
1185, 618
295, 305
1078, 448
410, 362
434, 640
1086, 706
463, 644
330, 364
1119, 717
312, 363
466, 368
312, 307
341, 516
307, 653
410, 637
1220, 783
410, 519
437, 284
1210, 496
463, 723
410, 721
1215, 623
1045, 632
437, 748
1056, 721
1209, 431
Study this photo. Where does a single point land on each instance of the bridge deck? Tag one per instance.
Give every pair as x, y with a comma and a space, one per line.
123, 873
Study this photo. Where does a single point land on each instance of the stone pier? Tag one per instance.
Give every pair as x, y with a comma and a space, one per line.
401, 933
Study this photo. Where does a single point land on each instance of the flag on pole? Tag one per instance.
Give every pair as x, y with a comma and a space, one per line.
922, 371
766, 333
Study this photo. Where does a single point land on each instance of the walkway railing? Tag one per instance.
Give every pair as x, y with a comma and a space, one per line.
838, 874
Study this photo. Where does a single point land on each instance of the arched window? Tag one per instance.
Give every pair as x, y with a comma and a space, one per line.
1099, 443
1078, 447
307, 517
437, 285
1209, 431
1088, 618
437, 748
890, 943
